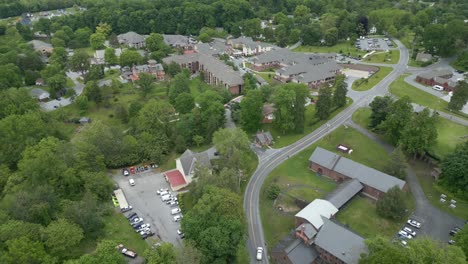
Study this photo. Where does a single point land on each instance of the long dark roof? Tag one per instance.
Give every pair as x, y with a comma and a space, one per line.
344, 192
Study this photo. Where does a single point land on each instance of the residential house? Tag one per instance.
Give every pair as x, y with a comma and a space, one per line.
98, 57
132, 40
215, 71
41, 46
188, 162
39, 94
423, 57
439, 76
375, 183
248, 47
215, 48
180, 42
153, 68
268, 113
25, 19
263, 138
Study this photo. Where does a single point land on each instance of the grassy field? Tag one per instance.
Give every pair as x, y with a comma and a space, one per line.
390, 57
362, 116
347, 48
434, 191
311, 124
296, 180
400, 88
366, 84
268, 76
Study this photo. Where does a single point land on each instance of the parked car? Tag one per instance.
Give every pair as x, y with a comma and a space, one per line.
175, 211
126, 252
158, 192
125, 172
409, 231
126, 209
177, 218
131, 182
414, 223
174, 203
259, 253
131, 215
451, 242
453, 232
404, 234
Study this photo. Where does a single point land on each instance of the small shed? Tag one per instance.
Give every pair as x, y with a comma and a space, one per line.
85, 120
40, 82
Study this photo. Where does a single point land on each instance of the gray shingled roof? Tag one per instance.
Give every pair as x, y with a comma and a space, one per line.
340, 242
187, 160
309, 230
319, 72
131, 38
435, 73
344, 192
286, 56
296, 250
175, 40
366, 175
264, 137
222, 71
182, 59
203, 159
215, 47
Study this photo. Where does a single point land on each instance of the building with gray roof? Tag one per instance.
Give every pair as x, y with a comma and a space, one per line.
344, 192
39, 94
284, 57
335, 241
132, 39
249, 47
292, 250
41, 46
189, 160
376, 183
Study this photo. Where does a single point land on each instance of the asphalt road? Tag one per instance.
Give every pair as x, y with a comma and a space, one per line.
268, 163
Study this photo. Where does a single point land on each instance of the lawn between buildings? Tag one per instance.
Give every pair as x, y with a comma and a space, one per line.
297, 181
401, 88
311, 123
366, 84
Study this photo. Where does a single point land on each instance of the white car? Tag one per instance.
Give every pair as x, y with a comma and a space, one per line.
414, 223
177, 218
259, 253
409, 231
132, 182
158, 192
404, 234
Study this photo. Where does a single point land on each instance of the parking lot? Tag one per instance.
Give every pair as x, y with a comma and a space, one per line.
148, 205
373, 44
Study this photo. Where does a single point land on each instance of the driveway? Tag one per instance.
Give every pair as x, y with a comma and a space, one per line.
435, 223
148, 205
54, 104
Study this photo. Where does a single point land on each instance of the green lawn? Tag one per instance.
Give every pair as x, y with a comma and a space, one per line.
346, 48
117, 228
433, 191
296, 180
400, 88
268, 76
362, 116
390, 57
361, 216
366, 84
311, 124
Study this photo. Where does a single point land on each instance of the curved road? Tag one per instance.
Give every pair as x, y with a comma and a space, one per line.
271, 161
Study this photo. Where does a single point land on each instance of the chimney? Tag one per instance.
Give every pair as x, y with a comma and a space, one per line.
302, 230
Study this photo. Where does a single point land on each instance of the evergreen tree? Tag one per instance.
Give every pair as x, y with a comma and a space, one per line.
324, 103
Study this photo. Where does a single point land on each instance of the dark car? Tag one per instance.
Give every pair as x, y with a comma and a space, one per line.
131, 215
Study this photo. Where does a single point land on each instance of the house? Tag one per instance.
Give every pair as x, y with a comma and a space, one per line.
249, 47
84, 120
423, 57
132, 40
39, 94
268, 112
25, 20
428, 77
313, 213
263, 138
98, 57
375, 183
215, 48
292, 250
337, 244
153, 68
188, 162
40, 82
215, 71
313, 75
41, 46
176, 180
180, 42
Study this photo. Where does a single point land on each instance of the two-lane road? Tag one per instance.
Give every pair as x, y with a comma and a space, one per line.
267, 164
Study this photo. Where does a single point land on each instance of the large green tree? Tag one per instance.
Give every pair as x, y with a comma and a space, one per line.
284, 100
341, 89
398, 117
454, 174
163, 254
459, 97
79, 61
420, 133
324, 103
233, 146
61, 237
380, 107
396, 164
392, 204
251, 110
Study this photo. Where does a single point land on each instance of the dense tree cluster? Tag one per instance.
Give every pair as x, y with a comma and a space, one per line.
454, 175
392, 204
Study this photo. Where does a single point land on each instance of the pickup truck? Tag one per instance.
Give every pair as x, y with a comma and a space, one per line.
126, 252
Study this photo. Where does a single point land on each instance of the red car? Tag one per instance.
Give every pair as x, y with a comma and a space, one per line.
132, 170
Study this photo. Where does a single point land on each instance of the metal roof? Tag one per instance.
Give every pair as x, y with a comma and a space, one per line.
299, 253
340, 242
324, 158
309, 230
314, 211
344, 192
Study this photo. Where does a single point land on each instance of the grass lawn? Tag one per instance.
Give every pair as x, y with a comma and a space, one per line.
400, 88
311, 124
347, 48
118, 229
362, 116
296, 180
366, 84
268, 76
390, 57
361, 216
433, 191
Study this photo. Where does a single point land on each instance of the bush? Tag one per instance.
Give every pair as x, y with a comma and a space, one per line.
273, 191
392, 204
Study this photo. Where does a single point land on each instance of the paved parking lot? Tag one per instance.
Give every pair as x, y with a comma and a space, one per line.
148, 205
373, 44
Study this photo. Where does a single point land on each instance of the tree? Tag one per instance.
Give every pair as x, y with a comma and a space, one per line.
96, 41
61, 237
84, 213
251, 110
130, 57
198, 140
23, 250
180, 84
420, 133
301, 92
93, 92
145, 81
454, 175
392, 204
104, 29
341, 89
189, 254
250, 82
462, 240
396, 165
324, 103
79, 61
459, 97
184, 103
380, 107
233, 146
163, 254
82, 102
16, 102
96, 72
105, 253
110, 57
173, 69
56, 84
10, 76
399, 115
284, 109
273, 191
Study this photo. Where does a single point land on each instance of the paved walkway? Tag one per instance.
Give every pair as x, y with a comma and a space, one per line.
435, 223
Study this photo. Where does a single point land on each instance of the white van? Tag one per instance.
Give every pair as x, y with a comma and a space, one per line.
162, 193
166, 197
438, 87
175, 211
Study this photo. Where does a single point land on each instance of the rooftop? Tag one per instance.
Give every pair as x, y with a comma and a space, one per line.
175, 178
344, 192
131, 38
314, 211
297, 251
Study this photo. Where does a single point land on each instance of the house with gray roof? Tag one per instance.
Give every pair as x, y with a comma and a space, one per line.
132, 40
292, 250
439, 76
188, 162
39, 94
41, 46
337, 244
423, 57
264, 138
375, 183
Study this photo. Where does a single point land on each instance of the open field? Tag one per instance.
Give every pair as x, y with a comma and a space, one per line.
390, 57
366, 84
346, 48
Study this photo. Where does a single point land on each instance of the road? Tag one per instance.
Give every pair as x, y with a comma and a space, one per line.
268, 163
